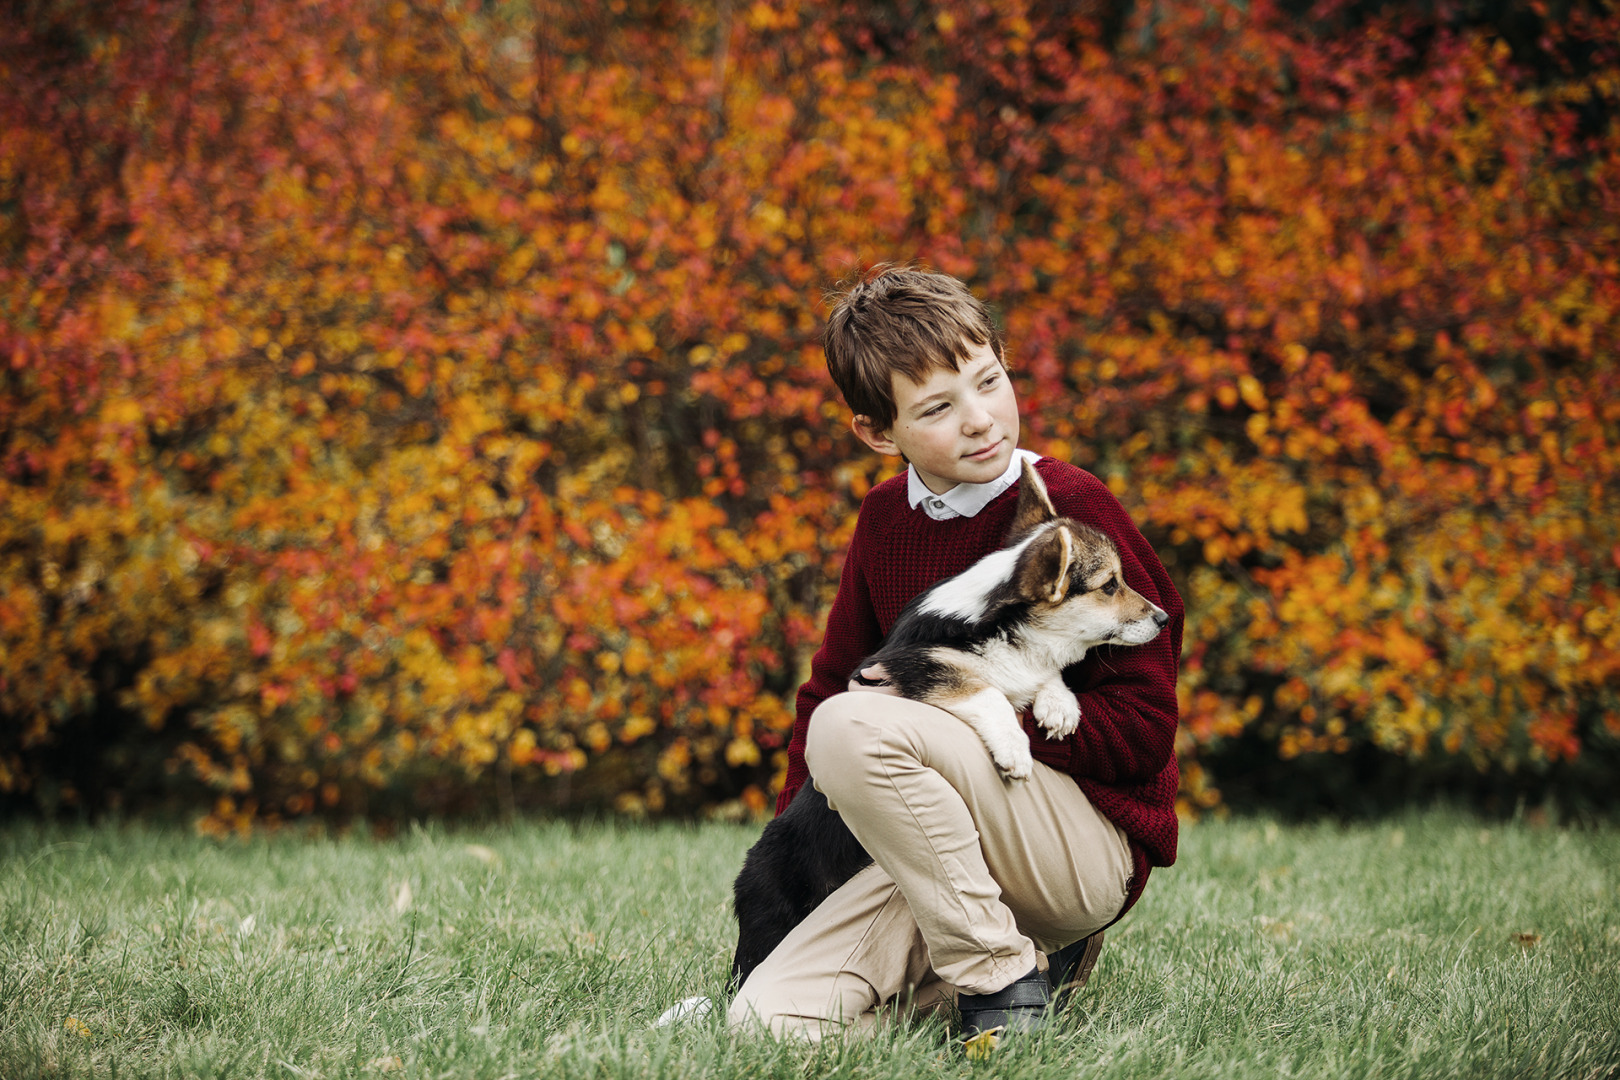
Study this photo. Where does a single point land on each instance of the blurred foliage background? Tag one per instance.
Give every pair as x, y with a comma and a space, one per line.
416, 407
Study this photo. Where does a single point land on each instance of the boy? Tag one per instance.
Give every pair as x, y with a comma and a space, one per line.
974, 879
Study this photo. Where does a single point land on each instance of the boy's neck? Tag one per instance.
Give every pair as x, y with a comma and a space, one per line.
964, 499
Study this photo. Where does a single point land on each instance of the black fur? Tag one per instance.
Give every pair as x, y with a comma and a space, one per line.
801, 858
914, 628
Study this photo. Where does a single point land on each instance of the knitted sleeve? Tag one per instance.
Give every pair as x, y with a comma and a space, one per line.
1127, 695
852, 635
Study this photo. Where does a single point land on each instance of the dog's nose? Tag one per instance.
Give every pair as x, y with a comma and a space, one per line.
1160, 617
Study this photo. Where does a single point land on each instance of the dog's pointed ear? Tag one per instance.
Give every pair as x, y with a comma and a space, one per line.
1034, 504
1043, 572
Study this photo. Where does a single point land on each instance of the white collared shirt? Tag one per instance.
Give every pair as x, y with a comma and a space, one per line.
964, 500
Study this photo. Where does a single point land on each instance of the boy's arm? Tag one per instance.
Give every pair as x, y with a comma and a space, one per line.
1128, 708
852, 635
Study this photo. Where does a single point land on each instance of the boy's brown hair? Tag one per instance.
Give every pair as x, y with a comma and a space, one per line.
901, 321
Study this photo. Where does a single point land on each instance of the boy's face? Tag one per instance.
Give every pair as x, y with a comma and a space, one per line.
955, 427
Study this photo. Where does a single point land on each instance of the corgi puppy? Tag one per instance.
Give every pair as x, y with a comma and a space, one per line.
981, 645
996, 637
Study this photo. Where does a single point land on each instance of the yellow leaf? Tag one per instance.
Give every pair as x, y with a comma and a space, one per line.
982, 1045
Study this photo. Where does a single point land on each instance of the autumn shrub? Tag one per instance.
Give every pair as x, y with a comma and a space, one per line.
413, 406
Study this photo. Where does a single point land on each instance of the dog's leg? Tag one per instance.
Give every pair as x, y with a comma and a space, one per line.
1056, 709
991, 715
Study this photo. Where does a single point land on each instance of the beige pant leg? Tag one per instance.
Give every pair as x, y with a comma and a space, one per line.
859, 949
993, 870
974, 874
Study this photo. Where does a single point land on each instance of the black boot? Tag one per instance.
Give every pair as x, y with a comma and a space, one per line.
1018, 1006
1070, 967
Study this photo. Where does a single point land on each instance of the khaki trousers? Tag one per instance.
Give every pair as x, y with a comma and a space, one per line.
973, 877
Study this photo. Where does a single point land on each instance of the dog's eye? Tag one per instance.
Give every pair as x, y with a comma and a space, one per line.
1111, 588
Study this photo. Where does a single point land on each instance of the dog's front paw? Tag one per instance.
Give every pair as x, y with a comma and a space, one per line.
1013, 759
1056, 710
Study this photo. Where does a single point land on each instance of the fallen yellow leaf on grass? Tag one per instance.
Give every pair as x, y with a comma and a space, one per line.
386, 1063
1527, 941
77, 1026
982, 1045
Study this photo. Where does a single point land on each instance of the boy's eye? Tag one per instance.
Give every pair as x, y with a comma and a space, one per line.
991, 381
936, 410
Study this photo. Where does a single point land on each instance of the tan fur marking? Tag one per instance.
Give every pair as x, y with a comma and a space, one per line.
1110, 568
1060, 584
962, 680
1035, 571
1034, 503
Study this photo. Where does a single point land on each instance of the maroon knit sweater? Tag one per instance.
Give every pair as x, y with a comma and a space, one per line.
1123, 754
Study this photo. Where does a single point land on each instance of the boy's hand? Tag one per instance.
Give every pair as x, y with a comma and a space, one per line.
874, 674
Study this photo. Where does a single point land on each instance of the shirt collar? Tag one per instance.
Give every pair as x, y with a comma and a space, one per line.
964, 500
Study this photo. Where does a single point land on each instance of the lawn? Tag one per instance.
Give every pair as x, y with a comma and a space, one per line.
1433, 945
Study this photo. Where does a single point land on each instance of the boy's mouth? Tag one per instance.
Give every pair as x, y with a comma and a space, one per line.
986, 453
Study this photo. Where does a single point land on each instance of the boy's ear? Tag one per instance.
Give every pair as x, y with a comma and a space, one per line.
877, 440
1043, 571
1034, 504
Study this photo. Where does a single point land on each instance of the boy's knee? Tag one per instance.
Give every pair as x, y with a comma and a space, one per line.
756, 1012
745, 1010
840, 732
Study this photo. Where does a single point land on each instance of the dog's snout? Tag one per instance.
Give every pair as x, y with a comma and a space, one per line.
1160, 617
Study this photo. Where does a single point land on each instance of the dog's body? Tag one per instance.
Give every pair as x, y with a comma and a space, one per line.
981, 645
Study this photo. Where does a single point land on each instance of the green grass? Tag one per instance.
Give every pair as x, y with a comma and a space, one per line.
546, 950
